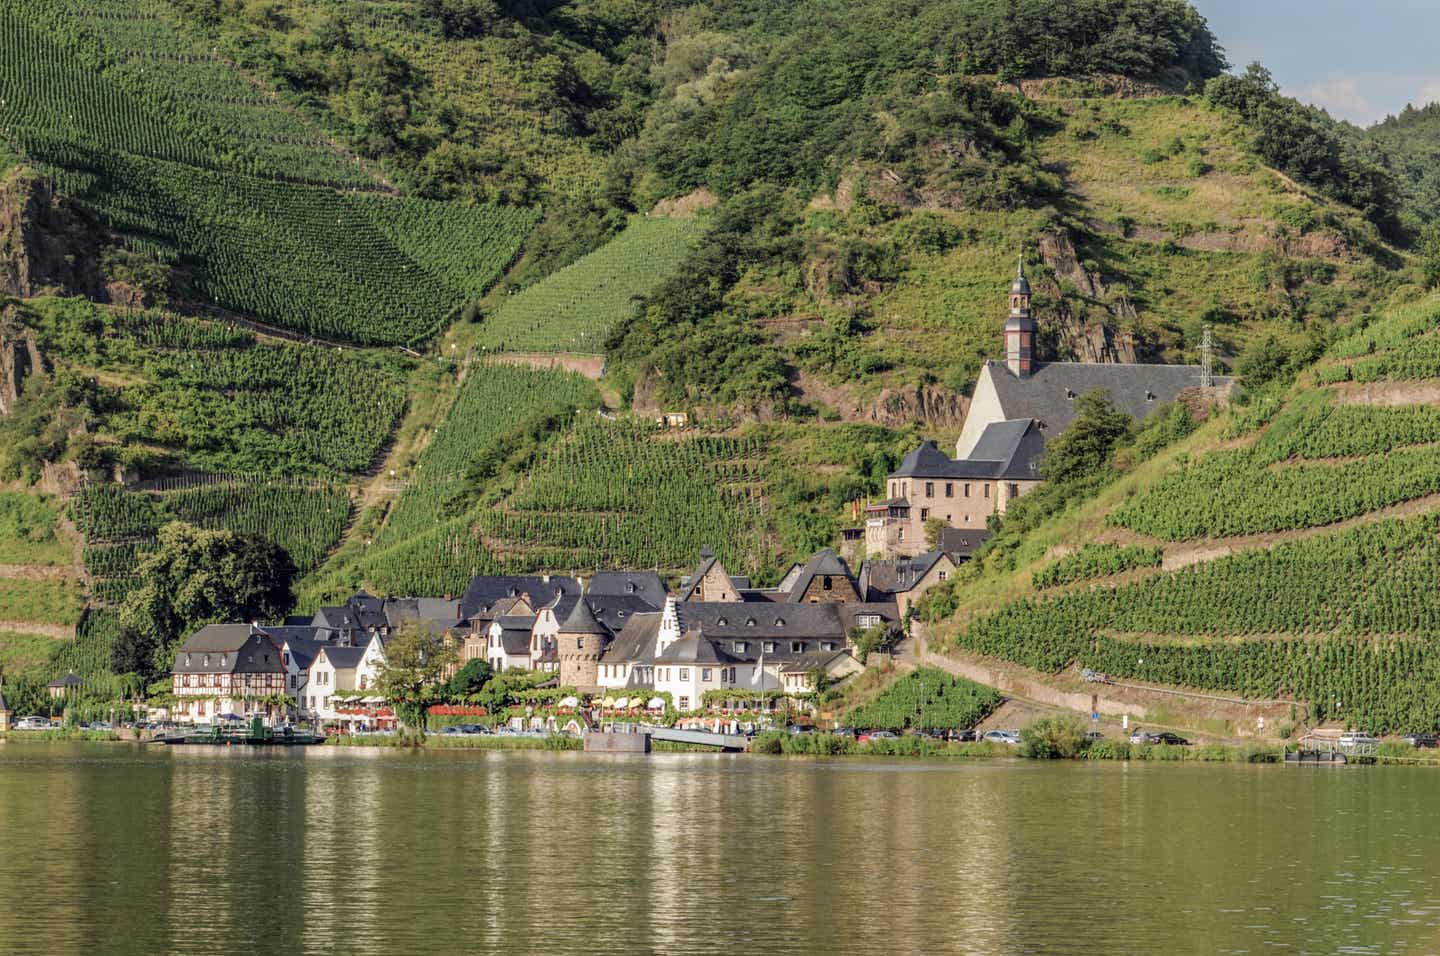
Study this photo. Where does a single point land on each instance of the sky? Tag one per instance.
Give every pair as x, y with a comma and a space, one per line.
1360, 59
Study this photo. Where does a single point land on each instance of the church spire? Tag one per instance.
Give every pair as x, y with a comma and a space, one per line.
1020, 327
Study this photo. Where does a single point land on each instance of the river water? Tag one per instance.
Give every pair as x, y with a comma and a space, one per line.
118, 849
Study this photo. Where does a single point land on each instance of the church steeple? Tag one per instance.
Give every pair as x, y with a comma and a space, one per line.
1020, 327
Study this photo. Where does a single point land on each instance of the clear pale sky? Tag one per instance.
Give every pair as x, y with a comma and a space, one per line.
1359, 59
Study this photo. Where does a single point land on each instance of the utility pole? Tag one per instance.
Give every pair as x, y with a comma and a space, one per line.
1206, 366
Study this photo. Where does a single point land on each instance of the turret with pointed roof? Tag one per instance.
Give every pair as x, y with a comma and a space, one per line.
1020, 326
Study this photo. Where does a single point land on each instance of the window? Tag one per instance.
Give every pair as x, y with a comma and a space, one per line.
902, 534
363, 680
779, 622
967, 489
867, 620
924, 513
770, 647
987, 489
722, 622
740, 647
828, 583
827, 645
949, 489
684, 703
944, 575
285, 657
797, 647
929, 489
750, 622
1014, 491
706, 674
292, 681
684, 673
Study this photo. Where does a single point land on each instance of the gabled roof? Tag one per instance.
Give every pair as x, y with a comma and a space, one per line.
635, 644
645, 585
69, 680
369, 610
1048, 394
229, 649
400, 610
341, 658
693, 648
515, 641
582, 621
821, 564
340, 618
813, 661
303, 652
1008, 450
898, 575
516, 622
485, 590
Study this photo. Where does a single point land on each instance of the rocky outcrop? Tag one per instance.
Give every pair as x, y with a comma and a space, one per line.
43, 247
19, 359
932, 405
1099, 329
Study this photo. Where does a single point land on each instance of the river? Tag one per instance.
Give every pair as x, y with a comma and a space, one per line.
118, 849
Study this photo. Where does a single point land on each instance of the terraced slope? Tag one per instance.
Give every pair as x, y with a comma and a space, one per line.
192, 167
574, 309
1297, 566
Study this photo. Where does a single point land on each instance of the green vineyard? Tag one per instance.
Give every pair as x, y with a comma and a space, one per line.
221, 401
1095, 561
180, 157
926, 699
575, 309
496, 403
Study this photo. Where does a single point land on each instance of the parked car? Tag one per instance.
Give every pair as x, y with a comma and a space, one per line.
451, 731
33, 723
966, 736
878, 735
796, 730
844, 732
1094, 735
1352, 739
1158, 737
1010, 738
1419, 740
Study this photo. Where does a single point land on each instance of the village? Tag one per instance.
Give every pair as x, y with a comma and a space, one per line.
625, 644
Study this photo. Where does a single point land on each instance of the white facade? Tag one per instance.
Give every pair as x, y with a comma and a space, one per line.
985, 410
687, 683
325, 681
546, 626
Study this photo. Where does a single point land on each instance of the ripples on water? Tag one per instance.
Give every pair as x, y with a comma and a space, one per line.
109, 849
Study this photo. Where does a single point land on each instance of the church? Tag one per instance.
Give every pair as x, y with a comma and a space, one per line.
1018, 405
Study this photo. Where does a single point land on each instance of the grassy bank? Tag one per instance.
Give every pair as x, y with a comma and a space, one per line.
63, 733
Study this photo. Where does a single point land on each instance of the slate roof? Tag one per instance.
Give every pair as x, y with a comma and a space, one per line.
485, 590
635, 644
961, 542
303, 652
69, 680
888, 611
898, 575
400, 610
695, 649
1048, 394
818, 660
1006, 450
229, 649
720, 619
822, 563
582, 621
369, 610
515, 640
645, 585
613, 610
343, 658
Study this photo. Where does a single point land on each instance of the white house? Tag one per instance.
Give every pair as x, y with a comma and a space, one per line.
332, 671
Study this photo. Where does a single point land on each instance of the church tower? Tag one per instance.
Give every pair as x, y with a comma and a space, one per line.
1020, 327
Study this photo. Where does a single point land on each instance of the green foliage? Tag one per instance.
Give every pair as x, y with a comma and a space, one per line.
470, 679
28, 530
926, 699
1304, 143
1096, 561
410, 678
574, 309
43, 601
1061, 737
1085, 447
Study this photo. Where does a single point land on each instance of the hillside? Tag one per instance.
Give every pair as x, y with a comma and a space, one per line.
302, 231
1282, 553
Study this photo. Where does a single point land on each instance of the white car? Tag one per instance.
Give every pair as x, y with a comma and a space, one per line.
1350, 740
1010, 738
33, 723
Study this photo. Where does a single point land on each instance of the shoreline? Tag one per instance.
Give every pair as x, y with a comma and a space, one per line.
776, 744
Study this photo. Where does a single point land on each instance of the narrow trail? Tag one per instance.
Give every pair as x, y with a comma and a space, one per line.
57, 632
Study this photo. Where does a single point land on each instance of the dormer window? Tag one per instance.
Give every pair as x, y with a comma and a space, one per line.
1070, 393
779, 622
630, 588
770, 647
722, 622
750, 622
1149, 396
740, 647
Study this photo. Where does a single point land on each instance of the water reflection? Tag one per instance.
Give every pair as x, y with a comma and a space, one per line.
136, 851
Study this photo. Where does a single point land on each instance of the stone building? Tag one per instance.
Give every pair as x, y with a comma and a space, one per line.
579, 644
